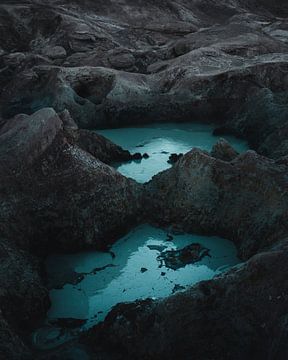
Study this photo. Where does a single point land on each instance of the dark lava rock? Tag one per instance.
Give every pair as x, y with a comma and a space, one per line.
218, 61
176, 259
71, 188
143, 270
100, 147
244, 200
224, 151
173, 158
137, 156
145, 156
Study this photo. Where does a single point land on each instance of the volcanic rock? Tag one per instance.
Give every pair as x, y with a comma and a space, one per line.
224, 151
244, 200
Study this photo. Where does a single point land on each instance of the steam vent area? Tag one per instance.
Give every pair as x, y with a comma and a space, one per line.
143, 180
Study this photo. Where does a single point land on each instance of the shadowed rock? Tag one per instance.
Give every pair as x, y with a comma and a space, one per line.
176, 259
222, 150
71, 188
243, 200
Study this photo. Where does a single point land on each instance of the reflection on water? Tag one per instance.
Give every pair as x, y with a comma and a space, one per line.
92, 288
160, 141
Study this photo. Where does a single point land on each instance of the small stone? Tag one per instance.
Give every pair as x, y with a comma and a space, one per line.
137, 156
145, 156
143, 270
173, 158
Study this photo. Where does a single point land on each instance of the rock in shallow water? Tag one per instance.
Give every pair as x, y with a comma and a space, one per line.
175, 259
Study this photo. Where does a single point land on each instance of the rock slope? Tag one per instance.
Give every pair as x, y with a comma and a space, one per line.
114, 63
54, 196
237, 315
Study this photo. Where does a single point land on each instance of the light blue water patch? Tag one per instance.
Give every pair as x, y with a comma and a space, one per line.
159, 141
136, 273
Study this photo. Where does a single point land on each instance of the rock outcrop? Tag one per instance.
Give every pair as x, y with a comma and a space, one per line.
115, 64
77, 200
54, 196
244, 200
222, 150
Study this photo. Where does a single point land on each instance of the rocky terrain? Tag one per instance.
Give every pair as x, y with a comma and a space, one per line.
67, 67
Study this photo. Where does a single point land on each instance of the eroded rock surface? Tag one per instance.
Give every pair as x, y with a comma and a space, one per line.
77, 200
115, 64
244, 200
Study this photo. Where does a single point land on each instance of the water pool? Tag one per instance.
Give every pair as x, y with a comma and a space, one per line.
161, 140
86, 286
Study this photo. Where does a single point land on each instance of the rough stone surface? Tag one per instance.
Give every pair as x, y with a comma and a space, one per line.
77, 200
224, 151
136, 62
244, 200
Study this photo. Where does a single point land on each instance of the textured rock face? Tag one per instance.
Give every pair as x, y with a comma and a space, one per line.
222, 150
23, 299
100, 147
54, 195
244, 200
205, 60
23, 139
76, 200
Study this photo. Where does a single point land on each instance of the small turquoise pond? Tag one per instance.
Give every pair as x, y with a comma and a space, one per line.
86, 286
159, 141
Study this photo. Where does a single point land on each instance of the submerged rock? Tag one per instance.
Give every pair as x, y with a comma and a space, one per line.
176, 259
177, 288
137, 156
